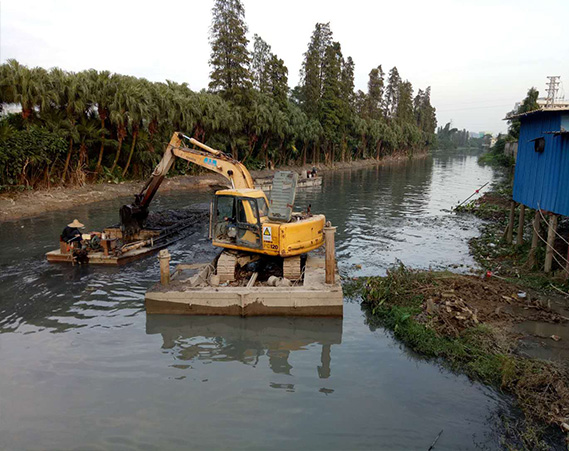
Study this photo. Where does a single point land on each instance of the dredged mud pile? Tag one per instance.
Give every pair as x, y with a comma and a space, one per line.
168, 218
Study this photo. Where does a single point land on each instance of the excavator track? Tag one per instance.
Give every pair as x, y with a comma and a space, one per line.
226, 266
291, 268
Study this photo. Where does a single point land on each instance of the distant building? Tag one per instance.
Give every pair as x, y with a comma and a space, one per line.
542, 166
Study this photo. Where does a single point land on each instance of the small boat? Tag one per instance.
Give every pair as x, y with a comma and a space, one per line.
109, 247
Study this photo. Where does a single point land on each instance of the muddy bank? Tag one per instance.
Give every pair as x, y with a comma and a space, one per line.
27, 204
470, 323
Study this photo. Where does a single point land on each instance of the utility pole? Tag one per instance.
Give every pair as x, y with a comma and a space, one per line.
552, 88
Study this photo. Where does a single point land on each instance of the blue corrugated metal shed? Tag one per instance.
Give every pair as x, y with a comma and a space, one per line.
542, 178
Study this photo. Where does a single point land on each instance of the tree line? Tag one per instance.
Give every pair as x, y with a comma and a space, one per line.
75, 126
451, 138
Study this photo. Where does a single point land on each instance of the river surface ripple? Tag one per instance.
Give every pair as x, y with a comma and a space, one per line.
83, 367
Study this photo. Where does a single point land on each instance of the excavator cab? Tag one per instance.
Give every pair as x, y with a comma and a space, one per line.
237, 218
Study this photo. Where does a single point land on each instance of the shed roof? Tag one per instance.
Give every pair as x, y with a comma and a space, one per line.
539, 110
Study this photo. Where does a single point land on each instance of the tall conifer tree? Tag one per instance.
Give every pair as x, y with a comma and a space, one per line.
375, 87
259, 63
392, 92
312, 72
229, 59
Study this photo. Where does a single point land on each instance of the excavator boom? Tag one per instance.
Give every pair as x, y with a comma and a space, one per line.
133, 215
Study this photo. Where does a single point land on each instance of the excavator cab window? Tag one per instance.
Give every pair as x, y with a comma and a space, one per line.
248, 223
237, 221
225, 222
263, 207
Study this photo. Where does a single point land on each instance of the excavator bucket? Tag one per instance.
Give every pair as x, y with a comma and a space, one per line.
132, 218
283, 194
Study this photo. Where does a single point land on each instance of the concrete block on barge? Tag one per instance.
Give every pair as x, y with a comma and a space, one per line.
311, 296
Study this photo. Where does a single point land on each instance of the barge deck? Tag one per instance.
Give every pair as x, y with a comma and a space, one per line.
311, 296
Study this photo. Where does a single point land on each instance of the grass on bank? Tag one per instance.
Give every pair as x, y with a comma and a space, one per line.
483, 352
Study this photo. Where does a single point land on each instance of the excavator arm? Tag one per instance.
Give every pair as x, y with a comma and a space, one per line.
133, 215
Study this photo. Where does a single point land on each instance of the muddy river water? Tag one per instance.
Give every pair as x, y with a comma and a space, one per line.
83, 367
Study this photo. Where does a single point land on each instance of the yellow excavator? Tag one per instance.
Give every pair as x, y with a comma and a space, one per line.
243, 220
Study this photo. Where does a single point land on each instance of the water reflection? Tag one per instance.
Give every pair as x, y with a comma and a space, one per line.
246, 340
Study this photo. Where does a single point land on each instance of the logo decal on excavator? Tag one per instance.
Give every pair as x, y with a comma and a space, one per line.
267, 234
210, 161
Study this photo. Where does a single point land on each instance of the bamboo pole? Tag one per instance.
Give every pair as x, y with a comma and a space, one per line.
534, 239
330, 263
550, 242
567, 264
510, 230
521, 220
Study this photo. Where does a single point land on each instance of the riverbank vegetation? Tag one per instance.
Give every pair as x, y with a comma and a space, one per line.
95, 124
466, 322
496, 156
451, 138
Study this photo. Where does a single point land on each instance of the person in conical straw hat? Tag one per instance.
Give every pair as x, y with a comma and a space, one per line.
71, 232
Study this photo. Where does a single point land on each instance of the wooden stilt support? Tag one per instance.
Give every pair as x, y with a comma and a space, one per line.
550, 242
510, 229
567, 264
164, 257
329, 232
521, 220
534, 239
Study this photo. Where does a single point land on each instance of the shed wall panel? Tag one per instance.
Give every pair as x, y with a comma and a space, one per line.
540, 178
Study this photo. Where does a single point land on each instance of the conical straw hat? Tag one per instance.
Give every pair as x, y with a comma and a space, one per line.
76, 223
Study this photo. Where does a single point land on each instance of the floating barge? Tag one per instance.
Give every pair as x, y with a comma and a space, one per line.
311, 296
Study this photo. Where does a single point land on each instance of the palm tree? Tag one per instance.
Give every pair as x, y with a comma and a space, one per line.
156, 109
88, 131
137, 107
72, 99
183, 106
119, 115
102, 88
257, 120
24, 86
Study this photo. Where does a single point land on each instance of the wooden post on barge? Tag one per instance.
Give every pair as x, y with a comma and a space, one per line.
534, 239
329, 232
551, 232
521, 220
164, 257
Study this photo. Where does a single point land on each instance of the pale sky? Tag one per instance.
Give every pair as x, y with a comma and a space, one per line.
479, 56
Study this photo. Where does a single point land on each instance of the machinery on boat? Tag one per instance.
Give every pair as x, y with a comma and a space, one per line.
243, 221
109, 247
